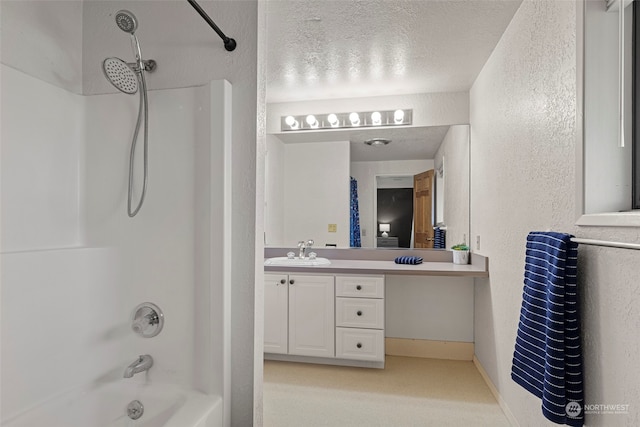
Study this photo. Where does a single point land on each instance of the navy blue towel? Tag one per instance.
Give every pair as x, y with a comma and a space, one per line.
547, 360
440, 237
413, 260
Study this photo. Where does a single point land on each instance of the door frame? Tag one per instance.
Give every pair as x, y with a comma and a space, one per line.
375, 203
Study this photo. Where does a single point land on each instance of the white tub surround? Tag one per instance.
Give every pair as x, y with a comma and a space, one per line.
380, 261
73, 250
106, 405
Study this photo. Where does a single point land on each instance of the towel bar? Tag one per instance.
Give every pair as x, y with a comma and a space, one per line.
606, 243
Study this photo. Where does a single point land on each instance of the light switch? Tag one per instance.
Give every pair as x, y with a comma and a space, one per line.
333, 228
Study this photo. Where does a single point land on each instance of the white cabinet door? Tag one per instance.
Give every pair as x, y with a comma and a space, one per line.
276, 317
311, 315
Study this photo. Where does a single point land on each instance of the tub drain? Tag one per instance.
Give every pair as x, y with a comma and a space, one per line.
135, 409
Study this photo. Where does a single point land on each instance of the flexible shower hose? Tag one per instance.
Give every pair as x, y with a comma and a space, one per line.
143, 105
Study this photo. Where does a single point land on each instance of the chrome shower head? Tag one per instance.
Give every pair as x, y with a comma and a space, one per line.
126, 21
120, 75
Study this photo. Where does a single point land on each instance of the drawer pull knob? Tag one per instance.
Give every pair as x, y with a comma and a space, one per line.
291, 282
359, 287
359, 345
282, 281
359, 313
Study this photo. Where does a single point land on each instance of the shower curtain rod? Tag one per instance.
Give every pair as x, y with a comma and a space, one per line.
229, 43
606, 243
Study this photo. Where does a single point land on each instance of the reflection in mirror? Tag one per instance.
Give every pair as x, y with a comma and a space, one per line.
307, 190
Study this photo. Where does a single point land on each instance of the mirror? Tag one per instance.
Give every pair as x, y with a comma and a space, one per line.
308, 190
346, 58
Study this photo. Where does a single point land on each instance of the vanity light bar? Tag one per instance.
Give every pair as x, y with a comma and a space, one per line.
365, 119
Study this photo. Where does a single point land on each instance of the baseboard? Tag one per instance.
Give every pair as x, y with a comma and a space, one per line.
429, 349
324, 361
503, 405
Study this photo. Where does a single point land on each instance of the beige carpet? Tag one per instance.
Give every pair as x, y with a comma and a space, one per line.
408, 392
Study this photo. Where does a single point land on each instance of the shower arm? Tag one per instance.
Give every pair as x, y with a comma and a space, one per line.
229, 43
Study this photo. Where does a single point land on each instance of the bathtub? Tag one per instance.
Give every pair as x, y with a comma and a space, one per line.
106, 406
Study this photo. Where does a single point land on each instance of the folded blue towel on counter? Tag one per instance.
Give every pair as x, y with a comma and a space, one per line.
413, 260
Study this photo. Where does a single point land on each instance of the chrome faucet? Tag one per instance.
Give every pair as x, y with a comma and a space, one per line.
303, 246
141, 364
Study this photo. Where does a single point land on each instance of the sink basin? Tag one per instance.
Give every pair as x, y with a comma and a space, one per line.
296, 262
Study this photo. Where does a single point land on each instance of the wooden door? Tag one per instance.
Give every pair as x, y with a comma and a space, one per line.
422, 213
311, 315
276, 314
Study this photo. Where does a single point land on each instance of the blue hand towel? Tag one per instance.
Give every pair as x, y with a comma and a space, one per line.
440, 238
547, 360
413, 260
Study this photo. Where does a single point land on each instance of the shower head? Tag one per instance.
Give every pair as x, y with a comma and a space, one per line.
120, 75
126, 21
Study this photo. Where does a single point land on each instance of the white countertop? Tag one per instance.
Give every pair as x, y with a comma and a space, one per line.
388, 267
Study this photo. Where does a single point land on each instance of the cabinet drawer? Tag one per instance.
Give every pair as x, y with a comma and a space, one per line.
360, 286
360, 313
360, 344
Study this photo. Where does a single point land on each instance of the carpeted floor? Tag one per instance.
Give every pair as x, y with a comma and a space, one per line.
409, 392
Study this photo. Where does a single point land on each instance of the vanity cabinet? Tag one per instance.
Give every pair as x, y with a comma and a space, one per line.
360, 318
299, 315
276, 313
335, 317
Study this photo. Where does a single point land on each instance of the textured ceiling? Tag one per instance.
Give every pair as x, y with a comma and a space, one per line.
322, 49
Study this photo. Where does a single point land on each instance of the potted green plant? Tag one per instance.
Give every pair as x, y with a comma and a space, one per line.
460, 253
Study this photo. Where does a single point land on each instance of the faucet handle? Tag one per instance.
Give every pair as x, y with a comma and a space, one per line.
310, 243
147, 320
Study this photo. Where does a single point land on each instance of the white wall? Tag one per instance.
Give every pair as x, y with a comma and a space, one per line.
44, 40
316, 193
523, 151
274, 205
365, 173
429, 308
455, 150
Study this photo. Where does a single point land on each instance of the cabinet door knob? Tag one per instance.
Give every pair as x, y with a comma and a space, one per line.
359, 288
359, 345
282, 281
359, 313
291, 282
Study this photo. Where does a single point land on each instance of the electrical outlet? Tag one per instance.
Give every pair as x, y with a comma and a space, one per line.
478, 242
333, 228
363, 232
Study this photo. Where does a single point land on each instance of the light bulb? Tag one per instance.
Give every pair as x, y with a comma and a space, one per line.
355, 119
311, 121
398, 116
333, 120
291, 122
376, 118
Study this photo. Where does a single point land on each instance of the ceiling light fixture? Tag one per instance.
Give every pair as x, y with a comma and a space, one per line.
312, 121
352, 119
377, 142
291, 122
398, 116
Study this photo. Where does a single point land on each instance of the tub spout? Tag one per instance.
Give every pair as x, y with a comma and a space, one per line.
142, 363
